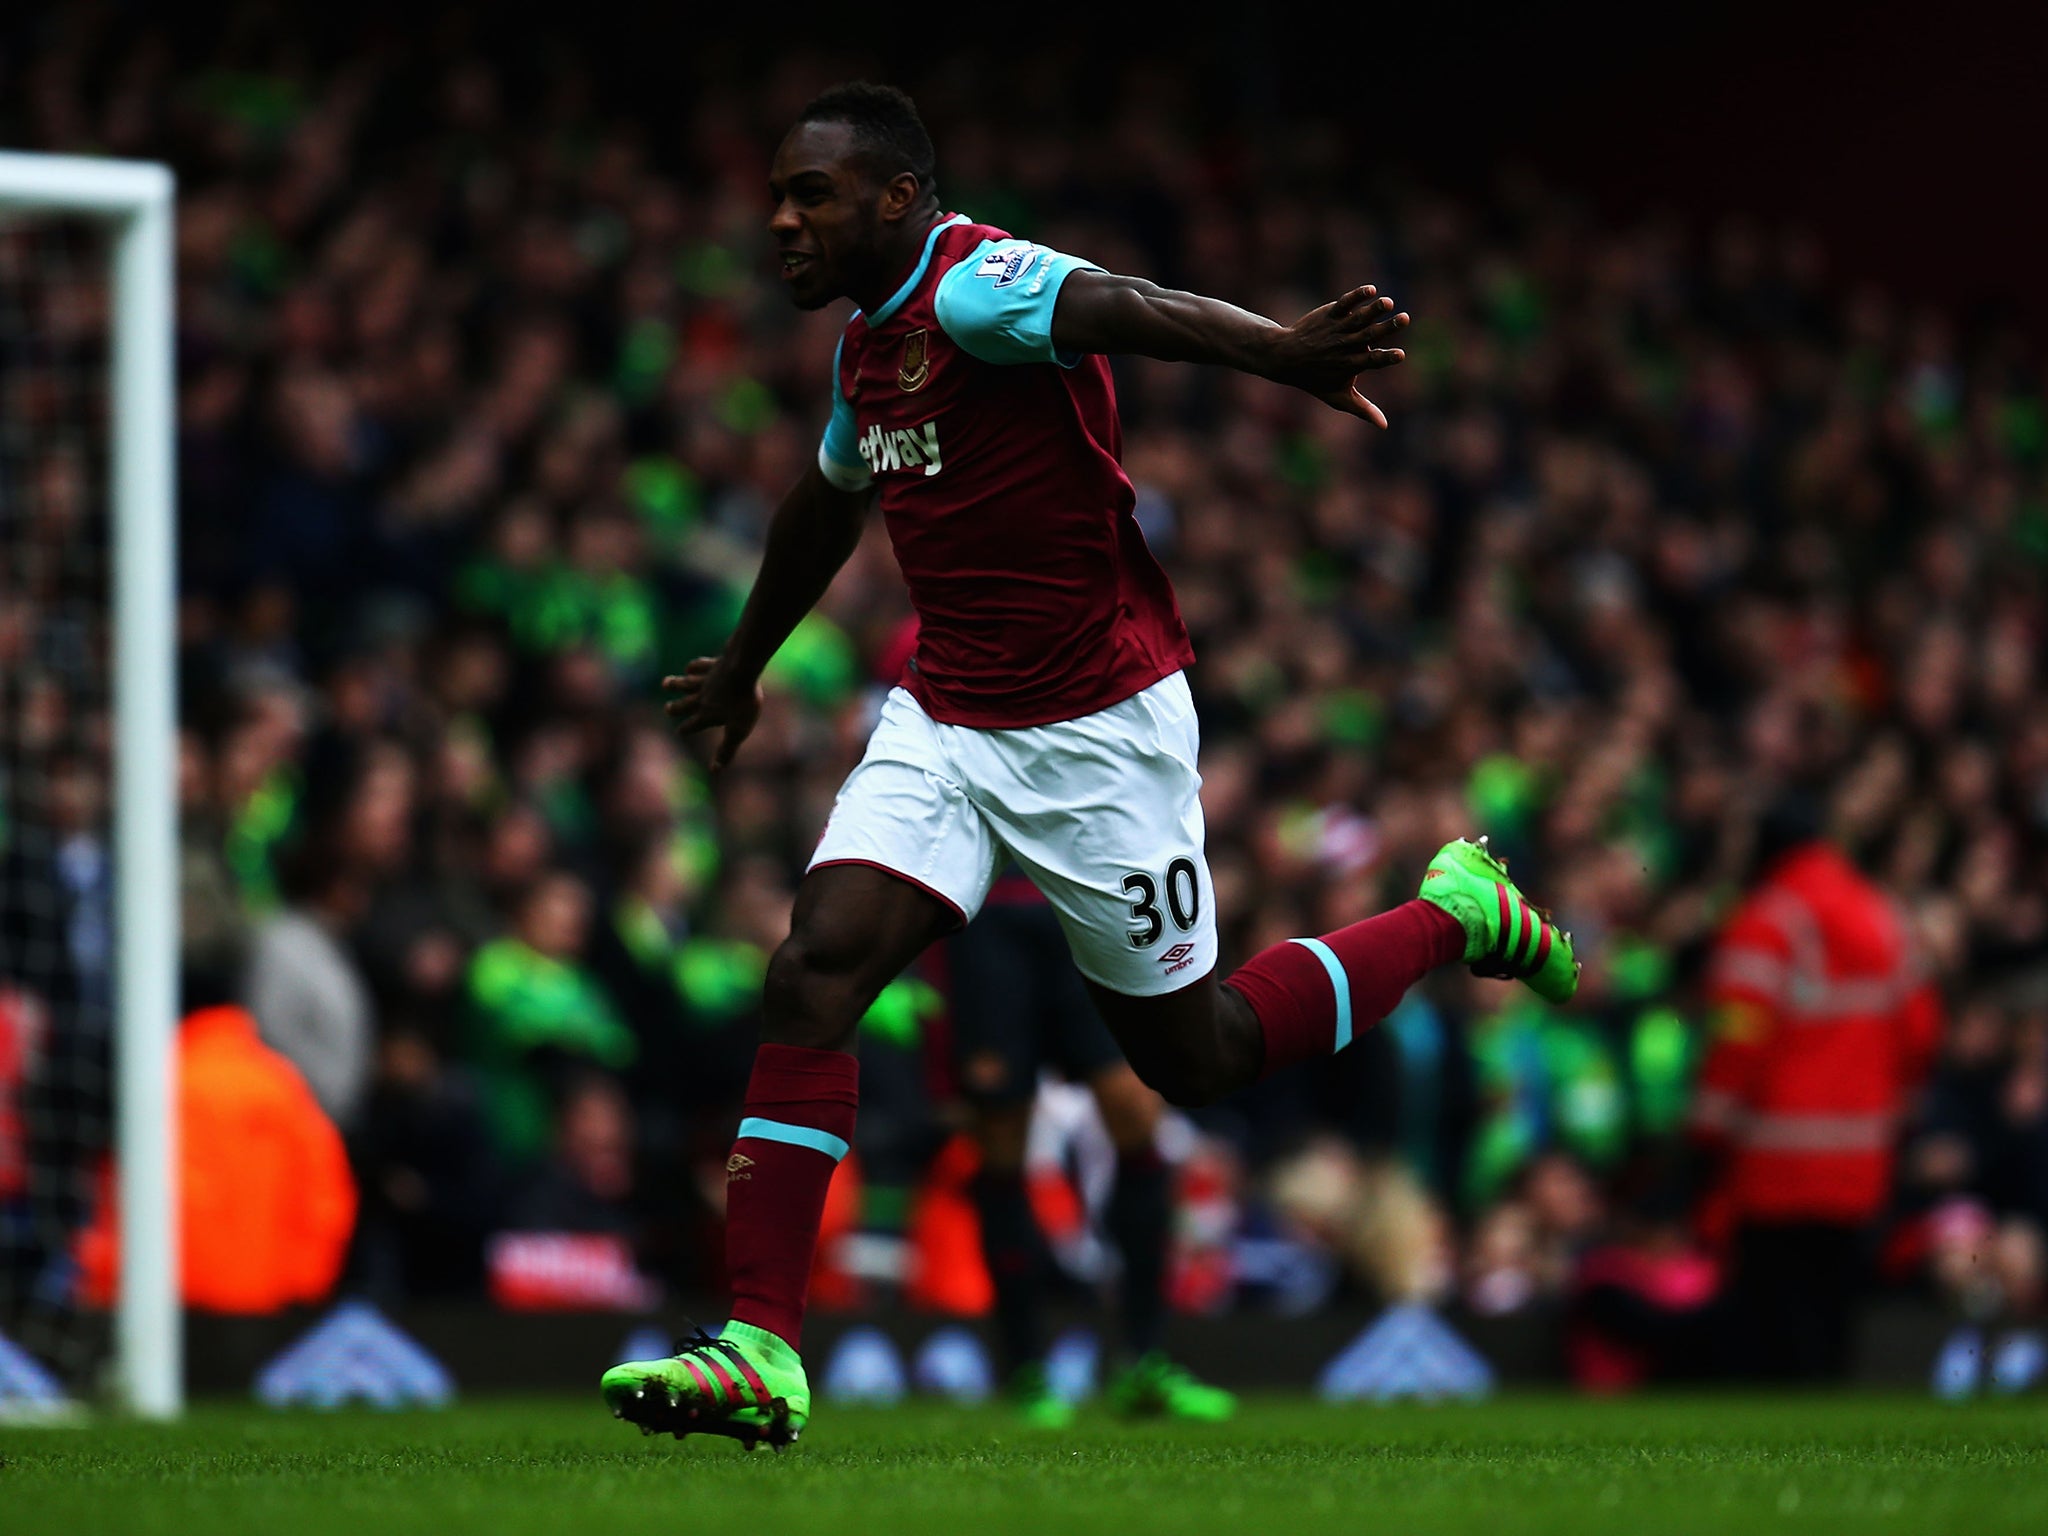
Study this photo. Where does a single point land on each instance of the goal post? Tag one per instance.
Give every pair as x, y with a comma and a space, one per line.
134, 200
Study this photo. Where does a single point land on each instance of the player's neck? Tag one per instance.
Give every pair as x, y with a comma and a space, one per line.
896, 261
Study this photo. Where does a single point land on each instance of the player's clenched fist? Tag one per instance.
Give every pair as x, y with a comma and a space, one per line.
708, 694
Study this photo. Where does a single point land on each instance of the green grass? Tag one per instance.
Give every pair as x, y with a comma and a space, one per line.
1666, 1466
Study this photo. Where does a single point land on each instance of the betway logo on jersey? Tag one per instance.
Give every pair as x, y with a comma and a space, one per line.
884, 448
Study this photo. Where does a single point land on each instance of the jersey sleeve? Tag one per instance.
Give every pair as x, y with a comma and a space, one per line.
839, 459
997, 304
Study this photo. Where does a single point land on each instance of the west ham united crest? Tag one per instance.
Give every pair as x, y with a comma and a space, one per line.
917, 363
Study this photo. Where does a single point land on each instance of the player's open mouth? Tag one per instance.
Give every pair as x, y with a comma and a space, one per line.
794, 262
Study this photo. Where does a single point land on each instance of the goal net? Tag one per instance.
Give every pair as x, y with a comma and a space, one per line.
56, 863
87, 761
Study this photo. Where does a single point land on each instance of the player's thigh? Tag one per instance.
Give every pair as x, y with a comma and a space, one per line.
904, 859
1193, 1046
992, 966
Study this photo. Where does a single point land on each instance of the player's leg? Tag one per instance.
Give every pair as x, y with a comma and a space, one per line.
998, 1018
1013, 1246
1308, 997
1140, 1223
1104, 813
904, 859
1139, 1216
853, 930
1290, 1003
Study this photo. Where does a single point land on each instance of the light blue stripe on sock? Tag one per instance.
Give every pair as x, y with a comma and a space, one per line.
832, 1146
1339, 983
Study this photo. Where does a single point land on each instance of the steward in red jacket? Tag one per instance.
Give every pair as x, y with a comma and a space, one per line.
1824, 1025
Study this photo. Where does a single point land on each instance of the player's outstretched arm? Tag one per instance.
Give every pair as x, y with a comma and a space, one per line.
1323, 352
812, 535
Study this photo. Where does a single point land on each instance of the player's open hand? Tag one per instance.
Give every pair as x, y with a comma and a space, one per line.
708, 695
1326, 350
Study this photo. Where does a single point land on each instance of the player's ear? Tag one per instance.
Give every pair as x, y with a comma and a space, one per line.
903, 193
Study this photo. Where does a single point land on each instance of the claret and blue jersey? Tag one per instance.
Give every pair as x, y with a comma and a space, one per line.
996, 461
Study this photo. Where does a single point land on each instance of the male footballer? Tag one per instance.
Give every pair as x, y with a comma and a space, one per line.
1044, 716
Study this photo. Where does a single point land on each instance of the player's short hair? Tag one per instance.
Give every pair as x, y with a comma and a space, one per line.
888, 135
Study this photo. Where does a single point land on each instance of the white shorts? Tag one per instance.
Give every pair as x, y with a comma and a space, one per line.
1103, 813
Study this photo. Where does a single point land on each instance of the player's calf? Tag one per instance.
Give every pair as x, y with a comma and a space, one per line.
854, 928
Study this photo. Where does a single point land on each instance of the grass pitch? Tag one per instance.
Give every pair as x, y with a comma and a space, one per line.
1667, 1466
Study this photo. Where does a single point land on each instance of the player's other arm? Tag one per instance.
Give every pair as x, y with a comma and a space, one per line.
812, 535
1323, 352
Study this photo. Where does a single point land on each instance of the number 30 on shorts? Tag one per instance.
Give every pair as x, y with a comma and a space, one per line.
1183, 901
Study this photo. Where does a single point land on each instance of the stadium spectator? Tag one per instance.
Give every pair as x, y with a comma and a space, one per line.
56, 894
572, 1235
1983, 1130
1643, 1305
267, 1202
304, 988
432, 1186
586, 1185
1824, 1026
536, 1012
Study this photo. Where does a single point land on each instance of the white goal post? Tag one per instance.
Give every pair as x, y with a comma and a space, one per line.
134, 199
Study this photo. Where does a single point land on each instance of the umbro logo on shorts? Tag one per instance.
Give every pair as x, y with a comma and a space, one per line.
736, 1167
1177, 954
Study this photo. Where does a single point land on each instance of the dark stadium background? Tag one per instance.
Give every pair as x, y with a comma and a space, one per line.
1907, 136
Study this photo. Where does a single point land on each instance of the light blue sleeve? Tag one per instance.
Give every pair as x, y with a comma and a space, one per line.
997, 304
839, 459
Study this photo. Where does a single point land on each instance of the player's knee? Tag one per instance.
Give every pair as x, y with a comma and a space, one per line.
811, 995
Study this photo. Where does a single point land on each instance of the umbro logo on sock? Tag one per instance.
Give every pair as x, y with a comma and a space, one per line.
736, 1167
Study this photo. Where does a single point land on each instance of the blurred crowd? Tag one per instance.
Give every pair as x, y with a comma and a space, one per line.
487, 392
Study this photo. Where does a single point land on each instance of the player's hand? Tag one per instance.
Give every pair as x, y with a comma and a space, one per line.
1326, 350
710, 694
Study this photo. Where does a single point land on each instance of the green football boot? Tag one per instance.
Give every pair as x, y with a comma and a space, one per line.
1033, 1400
1505, 937
746, 1385
1155, 1387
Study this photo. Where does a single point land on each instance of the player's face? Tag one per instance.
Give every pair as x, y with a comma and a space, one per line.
826, 219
